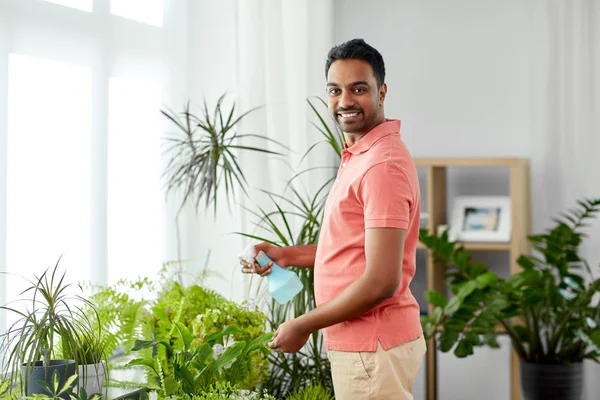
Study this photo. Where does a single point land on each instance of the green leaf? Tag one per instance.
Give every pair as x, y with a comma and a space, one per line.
486, 280
228, 356
228, 330
595, 337
171, 385
573, 284
464, 348
566, 294
203, 353
589, 322
186, 335
453, 305
533, 296
435, 298
467, 289
143, 344
526, 262
447, 340
148, 362
437, 315
68, 384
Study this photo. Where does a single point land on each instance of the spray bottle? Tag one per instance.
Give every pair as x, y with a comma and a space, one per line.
284, 285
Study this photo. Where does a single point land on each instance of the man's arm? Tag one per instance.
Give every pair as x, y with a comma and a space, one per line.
300, 256
297, 256
384, 251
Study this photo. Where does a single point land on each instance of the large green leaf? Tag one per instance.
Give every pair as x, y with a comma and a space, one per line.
435, 298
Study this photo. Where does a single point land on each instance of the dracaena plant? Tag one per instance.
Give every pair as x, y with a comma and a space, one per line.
203, 154
547, 308
296, 220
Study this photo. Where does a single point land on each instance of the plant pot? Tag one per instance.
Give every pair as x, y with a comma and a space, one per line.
552, 382
91, 377
38, 373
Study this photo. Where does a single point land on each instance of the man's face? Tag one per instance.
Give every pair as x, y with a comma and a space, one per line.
355, 102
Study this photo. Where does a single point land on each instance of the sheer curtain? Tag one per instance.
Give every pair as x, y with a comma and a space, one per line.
81, 85
566, 123
278, 58
566, 126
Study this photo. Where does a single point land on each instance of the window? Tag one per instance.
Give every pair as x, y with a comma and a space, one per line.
134, 188
83, 5
48, 169
83, 138
146, 11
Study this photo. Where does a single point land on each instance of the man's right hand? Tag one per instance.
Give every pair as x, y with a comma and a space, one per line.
275, 254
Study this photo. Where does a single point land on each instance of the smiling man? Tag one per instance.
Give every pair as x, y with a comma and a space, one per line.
365, 258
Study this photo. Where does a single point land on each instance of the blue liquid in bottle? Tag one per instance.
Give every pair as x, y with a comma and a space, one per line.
284, 285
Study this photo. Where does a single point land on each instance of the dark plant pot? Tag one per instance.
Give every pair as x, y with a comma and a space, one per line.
552, 382
39, 374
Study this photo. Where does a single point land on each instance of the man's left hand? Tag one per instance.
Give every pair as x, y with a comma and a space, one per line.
289, 337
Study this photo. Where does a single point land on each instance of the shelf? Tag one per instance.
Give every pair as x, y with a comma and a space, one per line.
435, 214
470, 162
478, 246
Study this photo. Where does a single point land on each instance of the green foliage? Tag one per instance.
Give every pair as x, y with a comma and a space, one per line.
121, 314
250, 324
547, 308
54, 389
203, 154
193, 368
53, 321
226, 391
5, 392
182, 305
315, 392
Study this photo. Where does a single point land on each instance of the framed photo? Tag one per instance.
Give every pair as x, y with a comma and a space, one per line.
481, 219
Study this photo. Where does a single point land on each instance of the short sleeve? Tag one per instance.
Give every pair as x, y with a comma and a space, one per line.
386, 196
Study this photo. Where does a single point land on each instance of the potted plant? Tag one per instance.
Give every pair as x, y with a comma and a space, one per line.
51, 321
546, 309
91, 361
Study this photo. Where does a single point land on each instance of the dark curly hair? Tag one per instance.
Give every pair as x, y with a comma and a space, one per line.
358, 49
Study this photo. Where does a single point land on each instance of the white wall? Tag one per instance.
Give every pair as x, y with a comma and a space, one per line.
462, 75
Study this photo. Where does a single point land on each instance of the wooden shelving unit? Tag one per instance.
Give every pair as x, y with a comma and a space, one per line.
436, 188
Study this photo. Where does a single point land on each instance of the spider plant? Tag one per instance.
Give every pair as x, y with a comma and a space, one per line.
203, 154
52, 321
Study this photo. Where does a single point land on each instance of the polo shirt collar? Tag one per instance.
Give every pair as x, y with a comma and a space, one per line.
390, 126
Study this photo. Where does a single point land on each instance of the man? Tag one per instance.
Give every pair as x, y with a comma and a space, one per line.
365, 258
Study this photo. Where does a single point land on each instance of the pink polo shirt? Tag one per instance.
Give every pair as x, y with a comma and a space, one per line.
376, 187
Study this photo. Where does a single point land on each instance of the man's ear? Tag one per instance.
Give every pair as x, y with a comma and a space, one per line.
382, 93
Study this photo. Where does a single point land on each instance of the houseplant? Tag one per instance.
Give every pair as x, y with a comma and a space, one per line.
304, 211
547, 309
203, 153
51, 321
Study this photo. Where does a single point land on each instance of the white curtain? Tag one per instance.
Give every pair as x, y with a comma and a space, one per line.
281, 52
280, 48
566, 158
566, 122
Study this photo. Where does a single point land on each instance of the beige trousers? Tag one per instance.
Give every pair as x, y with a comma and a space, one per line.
380, 375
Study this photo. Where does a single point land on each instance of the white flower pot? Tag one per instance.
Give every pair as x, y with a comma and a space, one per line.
91, 377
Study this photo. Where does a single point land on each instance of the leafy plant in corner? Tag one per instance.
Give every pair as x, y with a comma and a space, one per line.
547, 308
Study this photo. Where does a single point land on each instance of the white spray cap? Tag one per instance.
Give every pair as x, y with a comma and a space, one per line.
248, 253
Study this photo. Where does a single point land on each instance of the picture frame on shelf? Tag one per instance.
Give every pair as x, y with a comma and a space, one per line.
481, 219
